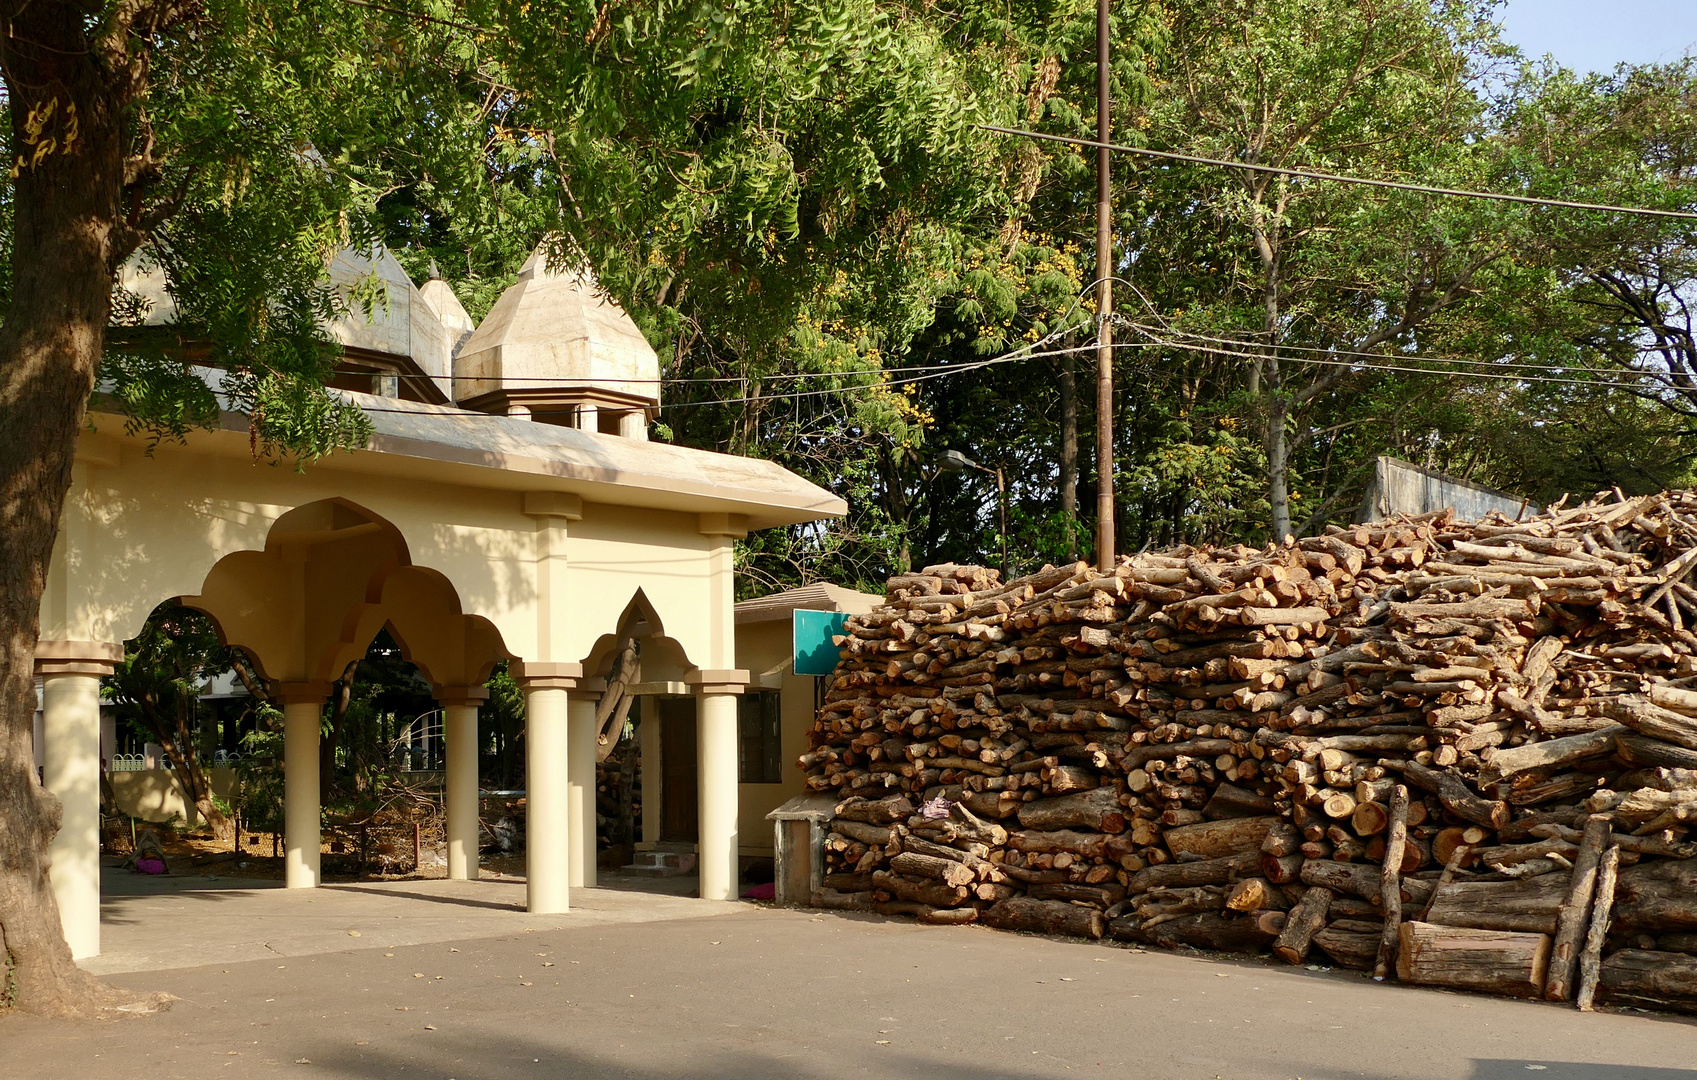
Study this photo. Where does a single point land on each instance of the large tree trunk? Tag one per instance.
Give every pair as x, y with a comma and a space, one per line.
1069, 442
1278, 458
67, 133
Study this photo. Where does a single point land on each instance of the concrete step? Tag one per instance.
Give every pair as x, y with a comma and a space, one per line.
663, 863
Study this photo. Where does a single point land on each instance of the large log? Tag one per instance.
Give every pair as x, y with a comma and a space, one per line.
1642, 977
1528, 905
1216, 839
1256, 894
1044, 917
1554, 753
1305, 920
1188, 874
1454, 794
1087, 845
948, 872
1348, 948
1359, 879
862, 832
1281, 869
1648, 718
876, 811
1390, 883
1657, 897
1495, 961
1099, 809
1101, 896
929, 893
982, 868
1591, 960
1211, 930
1646, 752
927, 914
1576, 909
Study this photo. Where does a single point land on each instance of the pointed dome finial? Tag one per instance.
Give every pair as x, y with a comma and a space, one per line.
434, 273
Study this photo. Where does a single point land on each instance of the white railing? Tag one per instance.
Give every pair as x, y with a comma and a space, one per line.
128, 763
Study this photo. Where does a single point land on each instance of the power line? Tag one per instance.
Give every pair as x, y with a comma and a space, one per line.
945, 370
1489, 365
1500, 376
1314, 174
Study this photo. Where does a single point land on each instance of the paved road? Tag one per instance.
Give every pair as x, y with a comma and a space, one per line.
802, 995
798, 995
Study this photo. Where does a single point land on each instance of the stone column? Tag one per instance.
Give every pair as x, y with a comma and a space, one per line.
303, 710
717, 776
547, 819
460, 705
70, 673
717, 683
580, 785
634, 425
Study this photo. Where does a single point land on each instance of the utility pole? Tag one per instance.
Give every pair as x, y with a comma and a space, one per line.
1104, 304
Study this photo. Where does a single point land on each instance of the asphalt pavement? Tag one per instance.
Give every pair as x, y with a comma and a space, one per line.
684, 988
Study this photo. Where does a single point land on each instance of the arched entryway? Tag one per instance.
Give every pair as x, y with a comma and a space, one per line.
331, 575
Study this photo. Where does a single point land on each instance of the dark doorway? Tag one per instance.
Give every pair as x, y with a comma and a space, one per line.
678, 791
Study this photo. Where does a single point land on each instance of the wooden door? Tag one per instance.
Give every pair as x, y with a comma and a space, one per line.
679, 805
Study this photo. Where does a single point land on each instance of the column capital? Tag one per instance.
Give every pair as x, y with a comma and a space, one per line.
448, 696
555, 504
717, 680
733, 525
592, 687
301, 693
536, 676
77, 657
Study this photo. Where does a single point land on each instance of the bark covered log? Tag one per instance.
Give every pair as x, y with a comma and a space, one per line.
1217, 839
1305, 920
1494, 961
1644, 977
1045, 917
1529, 905
1098, 808
1390, 883
1576, 909
1591, 960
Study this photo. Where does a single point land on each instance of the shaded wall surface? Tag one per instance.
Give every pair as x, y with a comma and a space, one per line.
1402, 487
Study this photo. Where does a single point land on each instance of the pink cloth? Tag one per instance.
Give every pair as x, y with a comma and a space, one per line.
150, 866
768, 891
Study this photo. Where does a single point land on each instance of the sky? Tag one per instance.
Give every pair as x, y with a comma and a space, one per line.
1595, 35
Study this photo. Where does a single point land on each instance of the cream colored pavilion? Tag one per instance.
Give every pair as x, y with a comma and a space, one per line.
472, 535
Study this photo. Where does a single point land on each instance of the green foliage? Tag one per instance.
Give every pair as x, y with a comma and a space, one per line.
793, 200
259, 777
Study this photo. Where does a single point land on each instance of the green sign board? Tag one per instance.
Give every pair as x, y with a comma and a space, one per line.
814, 652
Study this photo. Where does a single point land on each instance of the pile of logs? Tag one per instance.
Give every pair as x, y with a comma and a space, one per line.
618, 798
1462, 753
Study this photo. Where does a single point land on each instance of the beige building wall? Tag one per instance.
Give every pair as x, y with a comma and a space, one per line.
765, 648
120, 554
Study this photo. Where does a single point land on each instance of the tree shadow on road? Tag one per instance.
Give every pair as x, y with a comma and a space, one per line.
1523, 1069
460, 901
517, 1058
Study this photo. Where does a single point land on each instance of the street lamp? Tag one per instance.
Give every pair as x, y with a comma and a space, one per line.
955, 461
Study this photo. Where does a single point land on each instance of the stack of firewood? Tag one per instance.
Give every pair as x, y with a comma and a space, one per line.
1445, 748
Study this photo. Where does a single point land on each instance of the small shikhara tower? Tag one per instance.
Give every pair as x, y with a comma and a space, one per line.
557, 349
